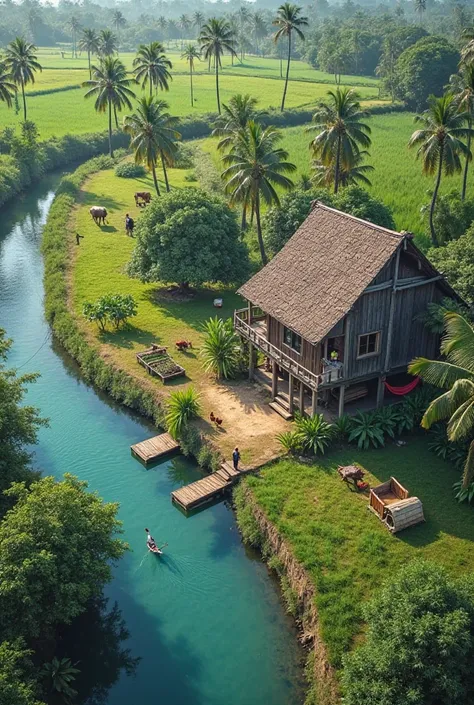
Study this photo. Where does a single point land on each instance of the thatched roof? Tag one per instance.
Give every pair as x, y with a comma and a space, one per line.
321, 271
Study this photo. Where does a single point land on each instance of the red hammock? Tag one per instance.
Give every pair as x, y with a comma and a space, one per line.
401, 391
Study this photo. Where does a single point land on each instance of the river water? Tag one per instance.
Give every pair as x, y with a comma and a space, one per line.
206, 620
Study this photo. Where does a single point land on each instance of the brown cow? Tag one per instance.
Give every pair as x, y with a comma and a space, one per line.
99, 214
142, 198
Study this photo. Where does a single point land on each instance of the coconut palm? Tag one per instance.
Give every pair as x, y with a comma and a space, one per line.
89, 42
152, 67
462, 87
235, 117
353, 173
420, 8
107, 42
190, 54
7, 86
215, 40
118, 22
467, 52
255, 166
21, 62
198, 21
60, 673
259, 28
110, 88
184, 23
455, 373
439, 143
74, 26
243, 15
162, 23
340, 131
153, 134
288, 20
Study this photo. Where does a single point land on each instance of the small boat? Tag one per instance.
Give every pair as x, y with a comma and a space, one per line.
155, 549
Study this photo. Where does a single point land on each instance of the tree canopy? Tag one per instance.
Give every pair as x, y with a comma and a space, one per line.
419, 645
188, 237
456, 261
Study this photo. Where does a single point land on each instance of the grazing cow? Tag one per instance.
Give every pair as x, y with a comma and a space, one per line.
142, 198
99, 214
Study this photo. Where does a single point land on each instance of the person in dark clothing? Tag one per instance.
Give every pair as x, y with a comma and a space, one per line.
129, 225
79, 238
236, 458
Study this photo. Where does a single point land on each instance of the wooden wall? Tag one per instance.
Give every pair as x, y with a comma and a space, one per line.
309, 356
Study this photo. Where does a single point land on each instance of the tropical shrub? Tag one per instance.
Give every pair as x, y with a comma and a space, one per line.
111, 308
463, 494
366, 430
433, 317
456, 261
314, 433
453, 452
209, 458
220, 348
290, 442
388, 419
184, 158
342, 427
419, 645
183, 405
59, 675
130, 170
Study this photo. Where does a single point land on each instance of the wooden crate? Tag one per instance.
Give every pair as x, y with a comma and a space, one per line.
154, 358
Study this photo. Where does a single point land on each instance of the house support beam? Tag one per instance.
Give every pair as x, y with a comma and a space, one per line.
251, 361
380, 391
290, 394
301, 398
274, 379
342, 390
314, 403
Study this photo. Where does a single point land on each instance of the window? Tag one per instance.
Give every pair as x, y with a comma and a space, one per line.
369, 344
292, 340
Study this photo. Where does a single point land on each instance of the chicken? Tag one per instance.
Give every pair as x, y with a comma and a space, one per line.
218, 422
211, 416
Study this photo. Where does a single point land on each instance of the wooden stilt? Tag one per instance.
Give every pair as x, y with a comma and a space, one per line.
314, 403
380, 392
274, 379
251, 361
290, 394
342, 390
301, 398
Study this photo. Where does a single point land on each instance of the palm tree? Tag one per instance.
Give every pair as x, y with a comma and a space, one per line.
244, 17
259, 28
107, 42
198, 21
220, 349
462, 87
7, 87
153, 135
255, 165
340, 131
118, 21
110, 87
455, 373
467, 52
184, 24
61, 673
440, 144
353, 173
420, 8
21, 62
288, 20
216, 39
190, 54
89, 42
74, 26
183, 405
163, 25
152, 67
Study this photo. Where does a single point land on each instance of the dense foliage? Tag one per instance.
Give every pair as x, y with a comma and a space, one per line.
183, 406
456, 261
419, 645
188, 237
221, 348
129, 170
115, 309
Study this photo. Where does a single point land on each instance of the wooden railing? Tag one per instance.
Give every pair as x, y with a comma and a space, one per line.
287, 363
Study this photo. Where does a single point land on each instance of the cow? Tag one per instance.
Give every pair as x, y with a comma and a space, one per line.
99, 214
142, 198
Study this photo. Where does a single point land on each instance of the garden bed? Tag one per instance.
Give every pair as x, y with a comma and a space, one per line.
158, 363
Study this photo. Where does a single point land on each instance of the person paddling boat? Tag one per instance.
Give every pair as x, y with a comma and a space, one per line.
151, 543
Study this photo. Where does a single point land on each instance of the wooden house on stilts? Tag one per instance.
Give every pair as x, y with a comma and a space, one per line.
337, 312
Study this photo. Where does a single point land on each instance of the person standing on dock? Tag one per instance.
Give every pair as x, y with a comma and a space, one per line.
236, 458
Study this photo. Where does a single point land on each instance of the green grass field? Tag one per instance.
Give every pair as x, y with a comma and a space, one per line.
345, 548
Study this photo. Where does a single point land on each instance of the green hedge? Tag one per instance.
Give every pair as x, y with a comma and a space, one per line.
118, 384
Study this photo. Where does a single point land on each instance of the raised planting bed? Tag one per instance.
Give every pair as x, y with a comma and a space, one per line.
158, 363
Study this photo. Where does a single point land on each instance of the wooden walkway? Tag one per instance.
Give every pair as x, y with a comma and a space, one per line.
208, 488
154, 448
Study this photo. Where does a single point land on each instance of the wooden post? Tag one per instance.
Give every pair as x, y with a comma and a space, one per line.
347, 345
342, 390
274, 379
314, 403
290, 393
380, 391
388, 349
251, 361
249, 314
301, 398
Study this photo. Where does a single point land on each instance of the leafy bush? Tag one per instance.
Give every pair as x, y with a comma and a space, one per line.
464, 494
433, 317
454, 452
220, 348
314, 433
366, 430
419, 644
184, 158
388, 418
111, 308
183, 405
130, 170
342, 427
209, 458
290, 442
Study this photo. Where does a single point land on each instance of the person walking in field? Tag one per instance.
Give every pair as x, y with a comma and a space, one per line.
129, 225
236, 458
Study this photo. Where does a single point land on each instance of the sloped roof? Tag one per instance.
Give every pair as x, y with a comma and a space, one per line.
321, 271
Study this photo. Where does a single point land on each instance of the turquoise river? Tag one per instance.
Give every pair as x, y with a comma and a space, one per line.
206, 620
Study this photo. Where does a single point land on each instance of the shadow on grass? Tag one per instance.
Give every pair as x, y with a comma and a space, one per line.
94, 199
128, 337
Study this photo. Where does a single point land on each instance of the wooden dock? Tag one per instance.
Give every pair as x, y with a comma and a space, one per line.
155, 448
207, 488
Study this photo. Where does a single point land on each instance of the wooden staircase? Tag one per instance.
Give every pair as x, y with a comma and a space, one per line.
281, 404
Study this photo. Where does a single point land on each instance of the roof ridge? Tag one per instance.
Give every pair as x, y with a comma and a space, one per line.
374, 226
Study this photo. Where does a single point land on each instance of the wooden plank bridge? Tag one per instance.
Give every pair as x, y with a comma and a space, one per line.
155, 448
207, 488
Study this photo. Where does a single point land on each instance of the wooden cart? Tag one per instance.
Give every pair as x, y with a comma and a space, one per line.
391, 503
